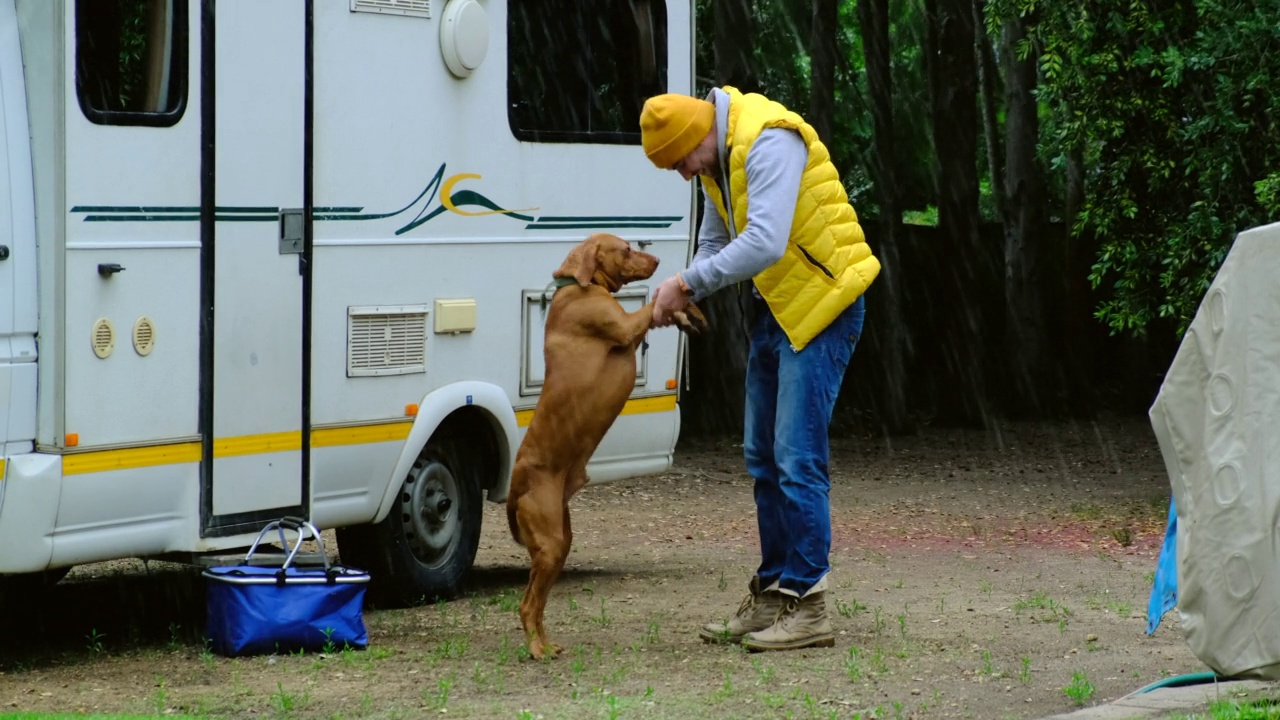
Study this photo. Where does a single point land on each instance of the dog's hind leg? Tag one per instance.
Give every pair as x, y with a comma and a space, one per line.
577, 481
514, 493
541, 514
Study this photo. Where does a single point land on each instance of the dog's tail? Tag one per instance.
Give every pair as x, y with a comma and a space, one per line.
511, 520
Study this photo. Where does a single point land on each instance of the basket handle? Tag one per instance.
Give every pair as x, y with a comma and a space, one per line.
298, 525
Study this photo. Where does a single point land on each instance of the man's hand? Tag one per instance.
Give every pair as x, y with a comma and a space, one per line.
667, 299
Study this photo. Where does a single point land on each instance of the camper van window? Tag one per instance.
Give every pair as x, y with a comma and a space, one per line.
131, 61
580, 70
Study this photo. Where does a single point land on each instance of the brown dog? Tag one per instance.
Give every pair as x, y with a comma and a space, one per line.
590, 353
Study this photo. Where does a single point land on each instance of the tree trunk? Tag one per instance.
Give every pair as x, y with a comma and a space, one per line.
734, 45
822, 69
1075, 185
715, 399
953, 90
1079, 328
718, 359
889, 335
989, 80
1031, 384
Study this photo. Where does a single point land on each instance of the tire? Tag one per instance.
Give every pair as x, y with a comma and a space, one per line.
420, 552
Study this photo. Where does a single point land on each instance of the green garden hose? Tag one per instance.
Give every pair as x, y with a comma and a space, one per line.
1180, 680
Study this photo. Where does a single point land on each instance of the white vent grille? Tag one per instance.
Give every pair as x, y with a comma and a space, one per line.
414, 8
386, 340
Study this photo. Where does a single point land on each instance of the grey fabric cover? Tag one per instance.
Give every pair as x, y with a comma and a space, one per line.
1217, 420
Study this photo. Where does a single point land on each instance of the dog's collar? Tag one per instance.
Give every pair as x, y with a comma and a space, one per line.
556, 283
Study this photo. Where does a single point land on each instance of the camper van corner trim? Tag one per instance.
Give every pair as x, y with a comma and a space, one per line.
32, 488
432, 411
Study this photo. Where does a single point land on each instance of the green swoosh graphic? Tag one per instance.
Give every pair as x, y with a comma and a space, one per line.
429, 210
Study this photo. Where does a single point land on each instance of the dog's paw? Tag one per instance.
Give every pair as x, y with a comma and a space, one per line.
539, 650
691, 320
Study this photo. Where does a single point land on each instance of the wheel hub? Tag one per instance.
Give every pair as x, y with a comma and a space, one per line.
432, 525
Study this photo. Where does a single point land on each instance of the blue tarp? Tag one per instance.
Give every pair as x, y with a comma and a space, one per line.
1164, 591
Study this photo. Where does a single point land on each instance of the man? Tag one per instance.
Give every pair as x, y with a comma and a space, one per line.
777, 214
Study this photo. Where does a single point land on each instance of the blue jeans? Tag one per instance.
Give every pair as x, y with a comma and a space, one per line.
789, 399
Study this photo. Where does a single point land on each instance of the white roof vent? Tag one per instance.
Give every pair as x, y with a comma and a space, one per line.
464, 36
415, 8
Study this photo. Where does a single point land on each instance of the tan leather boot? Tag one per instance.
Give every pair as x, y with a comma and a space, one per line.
757, 611
801, 623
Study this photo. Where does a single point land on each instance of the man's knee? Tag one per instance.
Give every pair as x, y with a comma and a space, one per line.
803, 470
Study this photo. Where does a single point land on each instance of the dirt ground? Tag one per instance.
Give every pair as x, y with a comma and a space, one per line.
976, 575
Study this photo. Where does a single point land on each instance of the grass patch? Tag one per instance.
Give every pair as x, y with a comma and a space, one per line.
77, 716
1042, 608
1087, 511
1079, 689
1265, 709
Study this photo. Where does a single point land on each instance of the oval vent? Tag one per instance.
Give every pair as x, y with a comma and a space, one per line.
144, 336
103, 338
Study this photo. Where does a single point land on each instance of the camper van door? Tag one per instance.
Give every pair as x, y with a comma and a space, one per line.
258, 270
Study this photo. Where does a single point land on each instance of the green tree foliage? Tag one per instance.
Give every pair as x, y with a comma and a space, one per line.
133, 54
1173, 104
781, 28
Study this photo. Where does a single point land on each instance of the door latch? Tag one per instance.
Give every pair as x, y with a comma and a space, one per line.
291, 231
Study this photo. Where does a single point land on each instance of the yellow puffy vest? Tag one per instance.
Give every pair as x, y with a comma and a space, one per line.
828, 263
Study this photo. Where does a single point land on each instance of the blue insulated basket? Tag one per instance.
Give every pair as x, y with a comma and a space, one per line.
262, 609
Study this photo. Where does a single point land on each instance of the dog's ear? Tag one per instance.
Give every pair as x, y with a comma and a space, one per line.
580, 263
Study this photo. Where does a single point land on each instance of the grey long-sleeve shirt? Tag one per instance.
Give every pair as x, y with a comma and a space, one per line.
774, 166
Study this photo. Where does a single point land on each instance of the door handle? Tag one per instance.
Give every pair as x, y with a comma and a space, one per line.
4, 252
291, 231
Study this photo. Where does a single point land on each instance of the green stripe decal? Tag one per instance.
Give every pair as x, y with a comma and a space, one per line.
421, 210
178, 209
580, 222
598, 218
132, 209
182, 213
588, 226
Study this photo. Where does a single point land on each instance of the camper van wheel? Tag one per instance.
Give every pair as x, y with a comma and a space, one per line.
421, 550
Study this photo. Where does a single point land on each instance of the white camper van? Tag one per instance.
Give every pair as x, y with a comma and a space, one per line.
265, 258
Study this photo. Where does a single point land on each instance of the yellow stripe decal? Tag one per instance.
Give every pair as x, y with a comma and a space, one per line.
257, 444
2, 468
104, 460
360, 435
654, 404
189, 452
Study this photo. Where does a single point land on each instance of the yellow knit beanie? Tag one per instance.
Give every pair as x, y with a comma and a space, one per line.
672, 125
